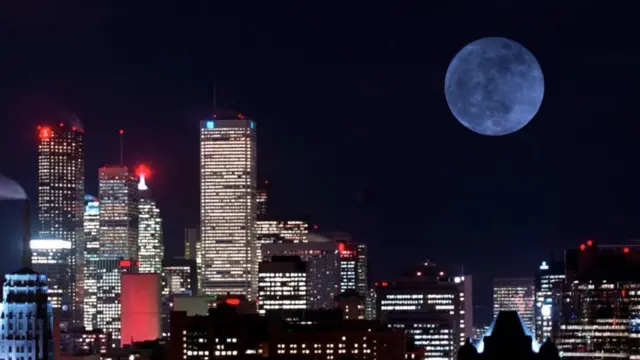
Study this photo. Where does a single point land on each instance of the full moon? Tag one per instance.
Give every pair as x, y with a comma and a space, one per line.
494, 86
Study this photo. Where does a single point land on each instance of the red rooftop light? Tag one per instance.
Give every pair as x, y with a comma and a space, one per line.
61, 124
233, 301
385, 284
125, 263
121, 131
626, 250
582, 247
44, 132
315, 227
143, 170
589, 242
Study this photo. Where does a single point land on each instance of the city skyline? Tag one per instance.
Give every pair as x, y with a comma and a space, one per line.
325, 107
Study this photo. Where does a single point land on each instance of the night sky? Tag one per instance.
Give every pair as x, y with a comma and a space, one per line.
353, 126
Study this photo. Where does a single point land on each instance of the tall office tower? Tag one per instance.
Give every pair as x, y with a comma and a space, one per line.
262, 200
549, 287
61, 195
118, 213
149, 228
108, 311
178, 279
52, 259
118, 240
273, 231
228, 205
282, 284
515, 294
27, 317
191, 240
600, 314
321, 258
91, 256
433, 307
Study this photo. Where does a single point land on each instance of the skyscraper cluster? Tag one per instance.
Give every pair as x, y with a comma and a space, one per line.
85, 243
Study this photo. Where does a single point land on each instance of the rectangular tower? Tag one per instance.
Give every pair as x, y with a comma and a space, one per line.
91, 249
61, 195
150, 240
51, 258
118, 213
516, 294
228, 206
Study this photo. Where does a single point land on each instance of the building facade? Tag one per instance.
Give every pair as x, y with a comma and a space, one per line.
26, 316
118, 243
191, 240
61, 196
600, 312
283, 284
515, 294
140, 307
52, 258
549, 285
322, 259
91, 257
108, 311
228, 205
150, 239
433, 307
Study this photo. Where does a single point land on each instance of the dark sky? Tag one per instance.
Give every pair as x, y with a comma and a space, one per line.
353, 123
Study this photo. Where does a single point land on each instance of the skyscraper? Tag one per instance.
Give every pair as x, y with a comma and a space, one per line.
150, 228
51, 258
515, 294
118, 239
549, 286
91, 257
61, 195
228, 205
118, 213
262, 200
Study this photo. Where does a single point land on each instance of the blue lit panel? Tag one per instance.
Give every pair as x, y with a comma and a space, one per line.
210, 124
252, 125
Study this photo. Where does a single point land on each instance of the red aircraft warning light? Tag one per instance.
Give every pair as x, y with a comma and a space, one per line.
583, 247
233, 301
143, 170
589, 242
121, 131
44, 132
626, 250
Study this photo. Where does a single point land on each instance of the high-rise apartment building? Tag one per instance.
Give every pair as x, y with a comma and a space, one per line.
321, 258
52, 258
228, 205
26, 329
61, 196
149, 230
118, 243
549, 286
432, 306
515, 294
91, 257
282, 284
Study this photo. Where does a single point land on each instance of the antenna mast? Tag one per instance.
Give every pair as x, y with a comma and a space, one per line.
121, 132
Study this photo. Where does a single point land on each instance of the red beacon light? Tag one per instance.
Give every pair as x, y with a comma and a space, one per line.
315, 227
385, 284
583, 247
589, 242
233, 301
44, 132
626, 250
61, 124
143, 170
121, 131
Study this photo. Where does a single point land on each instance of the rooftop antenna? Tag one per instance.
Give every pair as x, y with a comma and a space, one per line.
121, 132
